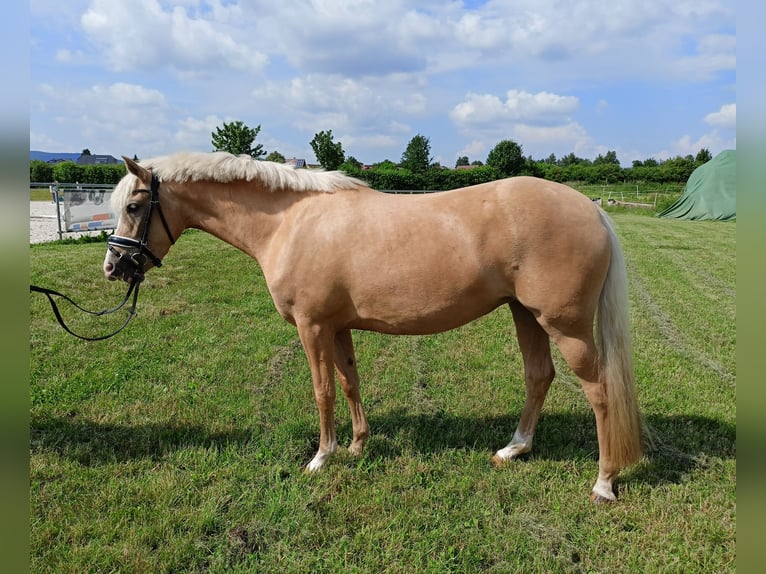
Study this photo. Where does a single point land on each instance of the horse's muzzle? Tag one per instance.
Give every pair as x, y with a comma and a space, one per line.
127, 266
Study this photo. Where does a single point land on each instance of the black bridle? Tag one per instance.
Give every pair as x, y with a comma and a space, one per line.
135, 261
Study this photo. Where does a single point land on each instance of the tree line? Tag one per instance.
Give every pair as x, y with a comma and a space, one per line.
416, 169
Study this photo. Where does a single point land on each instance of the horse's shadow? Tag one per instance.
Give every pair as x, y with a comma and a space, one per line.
676, 446
682, 443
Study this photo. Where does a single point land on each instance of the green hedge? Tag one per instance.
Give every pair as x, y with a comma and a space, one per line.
435, 179
70, 172
388, 176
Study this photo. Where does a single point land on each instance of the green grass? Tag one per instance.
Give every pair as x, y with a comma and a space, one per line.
39, 194
178, 445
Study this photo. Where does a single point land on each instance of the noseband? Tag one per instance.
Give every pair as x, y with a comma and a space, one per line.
137, 259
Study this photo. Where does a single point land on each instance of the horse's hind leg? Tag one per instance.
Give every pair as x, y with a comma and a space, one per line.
538, 374
581, 355
345, 364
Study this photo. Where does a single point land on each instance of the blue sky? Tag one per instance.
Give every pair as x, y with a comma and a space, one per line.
649, 78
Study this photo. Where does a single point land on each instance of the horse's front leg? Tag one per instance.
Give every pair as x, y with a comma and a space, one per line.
318, 343
345, 363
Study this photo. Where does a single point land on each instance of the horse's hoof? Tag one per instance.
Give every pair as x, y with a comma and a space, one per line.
355, 449
601, 499
499, 462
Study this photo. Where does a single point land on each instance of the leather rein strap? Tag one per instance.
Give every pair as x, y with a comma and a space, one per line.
131, 311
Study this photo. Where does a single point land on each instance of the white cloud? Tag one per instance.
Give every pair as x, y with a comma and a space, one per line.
686, 145
519, 107
378, 72
196, 130
570, 133
539, 121
110, 117
474, 31
725, 118
368, 37
477, 149
125, 95
373, 141
142, 34
67, 56
319, 102
714, 53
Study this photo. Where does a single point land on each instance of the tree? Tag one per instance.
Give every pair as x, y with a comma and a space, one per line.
569, 159
275, 156
462, 160
329, 154
609, 159
237, 138
507, 158
86, 151
703, 156
352, 161
650, 162
417, 156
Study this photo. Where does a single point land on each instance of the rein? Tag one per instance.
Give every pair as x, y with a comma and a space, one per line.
49, 293
136, 259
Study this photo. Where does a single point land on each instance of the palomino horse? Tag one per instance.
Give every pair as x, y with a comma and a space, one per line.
337, 255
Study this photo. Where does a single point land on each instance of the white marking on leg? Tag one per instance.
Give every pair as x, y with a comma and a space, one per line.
603, 490
520, 444
320, 458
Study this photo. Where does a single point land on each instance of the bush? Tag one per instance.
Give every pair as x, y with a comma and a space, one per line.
666, 201
40, 171
70, 172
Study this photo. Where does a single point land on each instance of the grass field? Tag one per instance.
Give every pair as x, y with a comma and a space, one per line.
39, 194
178, 445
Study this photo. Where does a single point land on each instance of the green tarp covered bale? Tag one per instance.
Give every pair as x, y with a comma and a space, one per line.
710, 193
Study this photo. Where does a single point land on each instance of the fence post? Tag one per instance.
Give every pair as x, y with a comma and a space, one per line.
58, 216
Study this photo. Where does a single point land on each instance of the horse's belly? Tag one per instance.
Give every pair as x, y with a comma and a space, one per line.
431, 310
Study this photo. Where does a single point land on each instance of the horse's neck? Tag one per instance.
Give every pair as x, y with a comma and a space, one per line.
241, 214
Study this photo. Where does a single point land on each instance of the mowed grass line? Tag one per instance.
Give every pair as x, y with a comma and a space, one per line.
178, 445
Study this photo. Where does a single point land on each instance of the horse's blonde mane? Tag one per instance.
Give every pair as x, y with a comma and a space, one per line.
224, 167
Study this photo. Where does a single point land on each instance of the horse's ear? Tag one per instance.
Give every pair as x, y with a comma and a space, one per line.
140, 172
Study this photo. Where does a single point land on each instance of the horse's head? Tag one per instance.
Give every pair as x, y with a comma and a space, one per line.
143, 235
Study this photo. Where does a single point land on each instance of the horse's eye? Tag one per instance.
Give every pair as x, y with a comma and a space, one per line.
132, 207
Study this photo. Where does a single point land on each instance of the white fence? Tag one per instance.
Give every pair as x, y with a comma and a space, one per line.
631, 194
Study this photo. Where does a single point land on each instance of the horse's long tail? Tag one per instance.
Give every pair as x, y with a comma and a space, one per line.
623, 421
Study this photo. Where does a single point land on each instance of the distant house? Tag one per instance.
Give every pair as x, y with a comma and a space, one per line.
96, 159
296, 163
